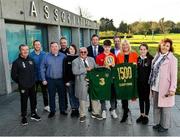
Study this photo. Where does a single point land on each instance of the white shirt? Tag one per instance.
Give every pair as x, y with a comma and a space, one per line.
96, 49
156, 86
116, 51
85, 61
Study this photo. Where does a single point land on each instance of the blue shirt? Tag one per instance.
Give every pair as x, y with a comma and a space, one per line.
37, 60
52, 66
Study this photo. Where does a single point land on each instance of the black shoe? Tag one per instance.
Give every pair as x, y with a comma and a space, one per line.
24, 121
51, 114
145, 120
77, 113
140, 119
82, 119
74, 113
35, 117
110, 109
124, 118
156, 127
90, 109
161, 129
63, 113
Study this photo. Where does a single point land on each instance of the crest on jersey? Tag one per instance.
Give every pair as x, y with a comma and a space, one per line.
106, 75
30, 62
109, 61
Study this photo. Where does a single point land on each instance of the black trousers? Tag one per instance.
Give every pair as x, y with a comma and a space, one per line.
125, 106
24, 95
66, 99
44, 92
144, 105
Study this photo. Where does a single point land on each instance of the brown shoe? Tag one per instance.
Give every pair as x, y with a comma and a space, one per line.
82, 119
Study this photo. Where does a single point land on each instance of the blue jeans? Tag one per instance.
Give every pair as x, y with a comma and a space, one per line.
56, 85
74, 102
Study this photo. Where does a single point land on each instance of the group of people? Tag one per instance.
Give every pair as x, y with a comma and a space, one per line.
63, 70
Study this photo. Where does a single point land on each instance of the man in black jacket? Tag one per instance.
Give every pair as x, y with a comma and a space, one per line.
93, 50
23, 73
64, 49
64, 45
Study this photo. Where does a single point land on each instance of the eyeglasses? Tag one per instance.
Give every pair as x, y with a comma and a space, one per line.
83, 52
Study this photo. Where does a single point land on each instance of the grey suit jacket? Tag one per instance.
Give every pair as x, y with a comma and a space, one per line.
79, 70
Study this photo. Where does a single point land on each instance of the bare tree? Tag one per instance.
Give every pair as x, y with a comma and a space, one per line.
84, 13
161, 24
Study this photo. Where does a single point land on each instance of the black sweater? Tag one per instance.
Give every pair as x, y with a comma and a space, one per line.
68, 75
144, 68
23, 72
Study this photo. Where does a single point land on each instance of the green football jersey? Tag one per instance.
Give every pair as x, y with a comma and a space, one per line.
99, 83
125, 81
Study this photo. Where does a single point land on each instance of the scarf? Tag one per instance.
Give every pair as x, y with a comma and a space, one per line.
155, 70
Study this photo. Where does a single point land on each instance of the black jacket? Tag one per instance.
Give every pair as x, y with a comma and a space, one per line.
64, 51
112, 51
144, 69
90, 51
23, 72
68, 75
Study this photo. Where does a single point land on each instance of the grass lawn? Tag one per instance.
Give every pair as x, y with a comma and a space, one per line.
153, 44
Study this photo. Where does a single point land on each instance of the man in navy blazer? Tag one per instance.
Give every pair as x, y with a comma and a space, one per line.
93, 50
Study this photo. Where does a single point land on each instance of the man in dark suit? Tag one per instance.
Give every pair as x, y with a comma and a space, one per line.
93, 50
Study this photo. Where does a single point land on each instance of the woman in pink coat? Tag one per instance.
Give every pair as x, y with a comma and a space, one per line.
163, 82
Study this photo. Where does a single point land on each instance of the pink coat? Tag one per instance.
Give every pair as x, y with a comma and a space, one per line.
167, 81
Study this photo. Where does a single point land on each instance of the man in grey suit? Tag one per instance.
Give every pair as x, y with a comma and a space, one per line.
80, 66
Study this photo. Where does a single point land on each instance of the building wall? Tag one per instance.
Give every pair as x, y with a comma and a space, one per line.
0, 10
39, 11
36, 16
5, 85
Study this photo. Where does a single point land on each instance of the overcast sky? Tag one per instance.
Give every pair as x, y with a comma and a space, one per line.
125, 10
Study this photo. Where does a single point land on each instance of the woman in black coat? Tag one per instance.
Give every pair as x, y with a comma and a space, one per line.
69, 80
144, 69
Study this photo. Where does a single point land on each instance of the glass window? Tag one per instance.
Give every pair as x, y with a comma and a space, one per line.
34, 32
67, 32
15, 35
81, 38
90, 34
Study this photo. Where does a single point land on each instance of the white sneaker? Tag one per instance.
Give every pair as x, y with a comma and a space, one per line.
47, 108
113, 114
104, 114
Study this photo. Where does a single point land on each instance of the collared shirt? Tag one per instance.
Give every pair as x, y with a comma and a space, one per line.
156, 86
143, 57
85, 61
93, 48
116, 51
52, 66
